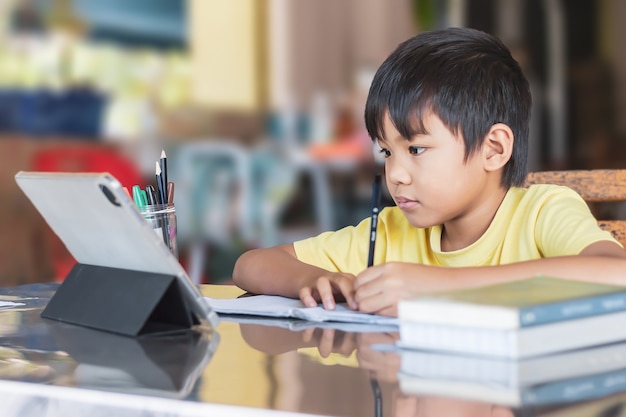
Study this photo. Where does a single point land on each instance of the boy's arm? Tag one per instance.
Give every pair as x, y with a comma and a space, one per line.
379, 288
277, 271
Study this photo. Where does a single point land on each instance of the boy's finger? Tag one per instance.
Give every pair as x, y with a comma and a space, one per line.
382, 304
307, 298
346, 288
326, 293
391, 311
366, 276
371, 301
366, 290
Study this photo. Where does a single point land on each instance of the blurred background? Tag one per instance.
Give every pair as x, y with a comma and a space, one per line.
258, 105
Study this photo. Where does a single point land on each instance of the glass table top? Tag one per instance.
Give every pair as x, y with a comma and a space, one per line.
244, 366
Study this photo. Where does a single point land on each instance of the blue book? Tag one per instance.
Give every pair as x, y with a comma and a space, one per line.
530, 302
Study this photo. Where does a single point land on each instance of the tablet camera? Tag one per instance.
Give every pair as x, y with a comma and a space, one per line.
109, 195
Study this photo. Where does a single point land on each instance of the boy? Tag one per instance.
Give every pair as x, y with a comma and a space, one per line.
450, 111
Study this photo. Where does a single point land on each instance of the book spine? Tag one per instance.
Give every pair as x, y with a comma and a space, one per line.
578, 389
572, 309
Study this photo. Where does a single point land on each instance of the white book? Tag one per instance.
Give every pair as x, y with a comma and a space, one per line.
513, 373
519, 343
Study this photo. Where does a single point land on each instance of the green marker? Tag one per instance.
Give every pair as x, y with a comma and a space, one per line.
139, 197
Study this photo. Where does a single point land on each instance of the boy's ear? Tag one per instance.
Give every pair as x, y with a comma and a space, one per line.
498, 146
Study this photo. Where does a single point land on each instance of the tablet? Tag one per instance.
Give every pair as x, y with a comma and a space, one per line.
100, 225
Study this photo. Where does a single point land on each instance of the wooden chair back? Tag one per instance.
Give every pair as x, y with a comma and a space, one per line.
595, 186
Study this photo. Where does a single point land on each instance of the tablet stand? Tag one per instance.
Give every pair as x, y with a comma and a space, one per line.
121, 301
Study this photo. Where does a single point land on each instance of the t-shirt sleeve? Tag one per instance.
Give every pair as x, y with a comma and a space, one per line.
565, 225
344, 250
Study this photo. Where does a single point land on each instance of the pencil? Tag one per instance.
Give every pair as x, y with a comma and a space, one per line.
163, 164
161, 192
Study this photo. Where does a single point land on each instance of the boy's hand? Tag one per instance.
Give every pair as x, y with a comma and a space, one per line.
379, 288
329, 288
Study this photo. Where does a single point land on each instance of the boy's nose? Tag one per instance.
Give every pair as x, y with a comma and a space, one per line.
397, 173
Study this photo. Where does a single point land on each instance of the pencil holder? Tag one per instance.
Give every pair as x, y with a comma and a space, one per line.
162, 218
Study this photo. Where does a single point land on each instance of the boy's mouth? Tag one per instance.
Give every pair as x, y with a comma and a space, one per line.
404, 203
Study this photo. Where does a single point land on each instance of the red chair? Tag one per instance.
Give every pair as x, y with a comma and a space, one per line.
88, 159
82, 158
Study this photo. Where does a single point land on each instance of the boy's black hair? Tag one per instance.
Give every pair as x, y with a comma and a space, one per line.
466, 77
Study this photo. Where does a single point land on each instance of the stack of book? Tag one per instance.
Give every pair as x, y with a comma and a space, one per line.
536, 316
537, 341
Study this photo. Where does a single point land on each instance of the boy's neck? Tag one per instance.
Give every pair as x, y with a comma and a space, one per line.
461, 232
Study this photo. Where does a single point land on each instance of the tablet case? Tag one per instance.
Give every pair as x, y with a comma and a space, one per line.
126, 280
122, 301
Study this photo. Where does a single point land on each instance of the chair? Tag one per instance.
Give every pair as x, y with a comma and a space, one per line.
88, 158
213, 198
596, 186
81, 158
227, 197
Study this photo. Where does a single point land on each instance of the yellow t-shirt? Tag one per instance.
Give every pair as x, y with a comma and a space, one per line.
531, 223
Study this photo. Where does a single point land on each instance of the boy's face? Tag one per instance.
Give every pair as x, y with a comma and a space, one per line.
427, 176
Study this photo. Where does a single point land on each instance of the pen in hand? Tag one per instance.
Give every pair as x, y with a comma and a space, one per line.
378, 404
374, 218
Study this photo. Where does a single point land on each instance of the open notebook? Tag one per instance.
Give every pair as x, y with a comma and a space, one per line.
277, 306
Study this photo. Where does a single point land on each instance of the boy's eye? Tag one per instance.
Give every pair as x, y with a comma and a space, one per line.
385, 152
416, 150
